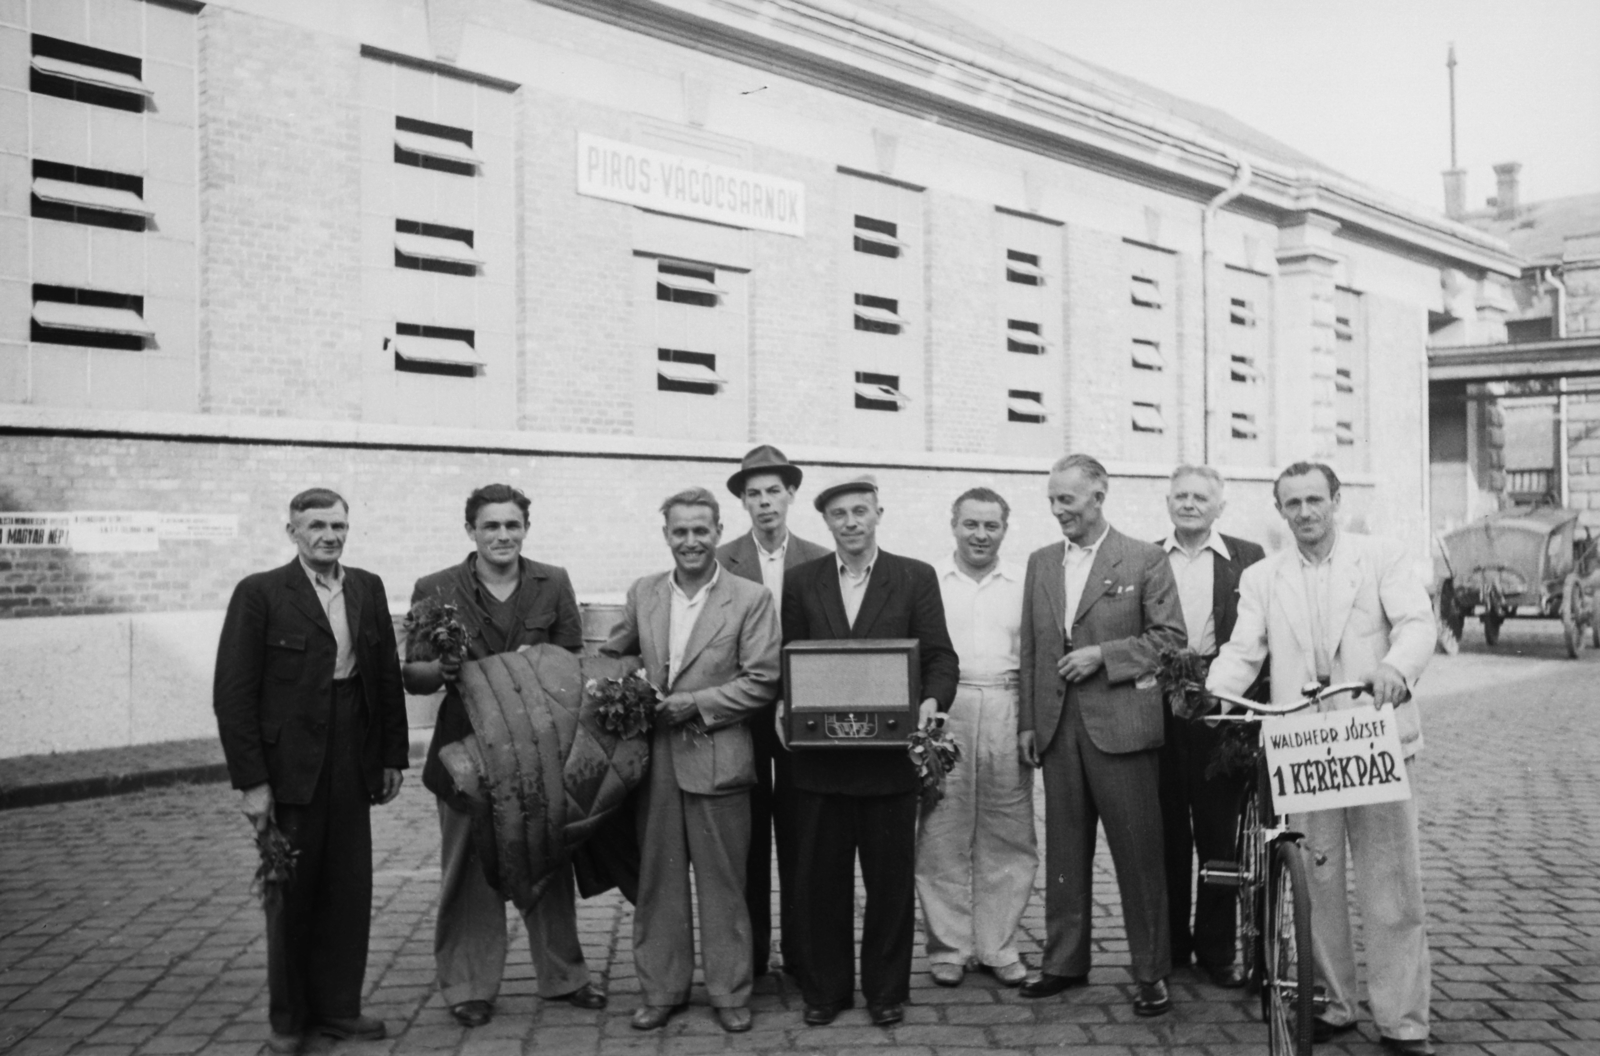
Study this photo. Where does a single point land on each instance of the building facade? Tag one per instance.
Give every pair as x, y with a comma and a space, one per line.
403, 249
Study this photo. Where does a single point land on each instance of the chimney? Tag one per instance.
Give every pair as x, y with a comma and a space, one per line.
1455, 193
1505, 198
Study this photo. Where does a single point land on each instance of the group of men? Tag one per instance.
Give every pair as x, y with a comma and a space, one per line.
1051, 669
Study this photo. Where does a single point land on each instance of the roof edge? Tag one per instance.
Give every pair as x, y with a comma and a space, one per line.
827, 35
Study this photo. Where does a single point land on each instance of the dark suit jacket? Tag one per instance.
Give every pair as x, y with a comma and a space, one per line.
546, 610
1225, 599
1130, 609
740, 556
273, 688
902, 601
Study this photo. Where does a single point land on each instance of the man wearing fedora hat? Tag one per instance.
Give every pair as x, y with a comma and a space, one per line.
861, 801
765, 483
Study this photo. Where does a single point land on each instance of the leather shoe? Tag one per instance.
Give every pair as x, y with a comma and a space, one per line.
946, 974
1323, 1031
1227, 976
885, 1015
821, 1015
734, 1020
1152, 999
283, 1044
353, 1028
1048, 985
472, 1013
585, 996
1010, 974
1407, 1046
652, 1017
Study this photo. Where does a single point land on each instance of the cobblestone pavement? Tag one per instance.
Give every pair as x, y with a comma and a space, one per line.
127, 925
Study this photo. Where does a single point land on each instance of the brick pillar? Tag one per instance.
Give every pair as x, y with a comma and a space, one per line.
1304, 359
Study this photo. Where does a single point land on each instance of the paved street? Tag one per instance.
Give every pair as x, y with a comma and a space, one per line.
127, 924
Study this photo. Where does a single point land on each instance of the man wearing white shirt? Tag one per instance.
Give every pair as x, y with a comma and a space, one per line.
1098, 609
1199, 806
710, 643
976, 855
1343, 607
765, 483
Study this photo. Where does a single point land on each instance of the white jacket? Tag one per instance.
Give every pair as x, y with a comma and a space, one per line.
1379, 613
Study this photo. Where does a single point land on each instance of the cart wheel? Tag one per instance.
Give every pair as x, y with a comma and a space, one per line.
1571, 603
1491, 628
1448, 619
1290, 981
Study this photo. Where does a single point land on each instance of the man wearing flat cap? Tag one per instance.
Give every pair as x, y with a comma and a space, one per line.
850, 801
765, 483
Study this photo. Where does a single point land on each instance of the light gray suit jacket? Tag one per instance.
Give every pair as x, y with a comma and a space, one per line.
730, 668
1130, 609
1378, 613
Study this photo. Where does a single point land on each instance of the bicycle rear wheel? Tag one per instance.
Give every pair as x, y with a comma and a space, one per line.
1290, 979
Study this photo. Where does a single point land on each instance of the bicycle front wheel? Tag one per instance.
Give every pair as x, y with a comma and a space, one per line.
1250, 854
1288, 987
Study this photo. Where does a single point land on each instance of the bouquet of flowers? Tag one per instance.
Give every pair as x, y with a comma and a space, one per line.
934, 753
1182, 674
276, 867
625, 707
434, 631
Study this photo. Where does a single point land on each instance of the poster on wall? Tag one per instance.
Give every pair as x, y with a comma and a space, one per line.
111, 531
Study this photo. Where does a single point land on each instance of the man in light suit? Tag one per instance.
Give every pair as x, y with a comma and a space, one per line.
1097, 610
1342, 607
766, 483
710, 642
1200, 811
313, 726
861, 801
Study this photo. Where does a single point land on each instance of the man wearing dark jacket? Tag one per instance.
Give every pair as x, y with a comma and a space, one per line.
1199, 812
313, 726
507, 603
766, 483
861, 800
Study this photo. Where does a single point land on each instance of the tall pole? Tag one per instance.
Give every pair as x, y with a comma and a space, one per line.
1450, 64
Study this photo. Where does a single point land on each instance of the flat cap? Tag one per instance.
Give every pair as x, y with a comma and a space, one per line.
865, 482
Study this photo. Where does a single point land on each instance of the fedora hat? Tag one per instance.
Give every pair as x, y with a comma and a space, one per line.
765, 459
865, 482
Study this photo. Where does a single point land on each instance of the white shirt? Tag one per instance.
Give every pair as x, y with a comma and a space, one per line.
1317, 577
330, 591
984, 618
854, 587
680, 624
1075, 565
1196, 576
772, 566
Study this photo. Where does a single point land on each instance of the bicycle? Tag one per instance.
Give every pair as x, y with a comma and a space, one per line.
1268, 874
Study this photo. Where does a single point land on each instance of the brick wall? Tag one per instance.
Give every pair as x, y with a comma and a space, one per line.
596, 516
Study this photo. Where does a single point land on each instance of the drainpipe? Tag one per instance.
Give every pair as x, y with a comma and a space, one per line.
1208, 216
1558, 314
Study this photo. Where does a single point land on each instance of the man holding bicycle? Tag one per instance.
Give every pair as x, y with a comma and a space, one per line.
1342, 607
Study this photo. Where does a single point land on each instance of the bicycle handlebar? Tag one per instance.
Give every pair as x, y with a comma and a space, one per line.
1311, 693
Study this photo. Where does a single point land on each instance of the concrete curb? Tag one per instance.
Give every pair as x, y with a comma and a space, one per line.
109, 785
40, 794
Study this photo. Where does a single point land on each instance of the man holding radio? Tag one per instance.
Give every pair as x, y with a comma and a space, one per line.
850, 801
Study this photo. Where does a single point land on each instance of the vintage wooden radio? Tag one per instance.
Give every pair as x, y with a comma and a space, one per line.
861, 693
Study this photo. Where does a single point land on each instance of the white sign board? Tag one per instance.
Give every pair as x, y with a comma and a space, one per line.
1332, 759
683, 186
111, 532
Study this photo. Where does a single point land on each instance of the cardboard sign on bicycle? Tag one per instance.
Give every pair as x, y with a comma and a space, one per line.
1332, 759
